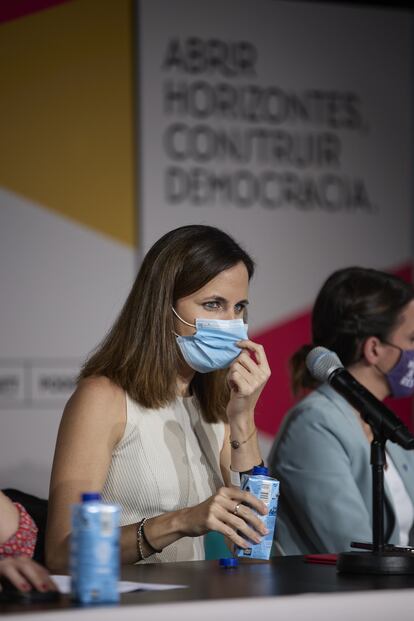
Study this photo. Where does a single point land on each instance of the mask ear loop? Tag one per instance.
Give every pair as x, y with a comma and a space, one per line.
384, 373
192, 325
395, 346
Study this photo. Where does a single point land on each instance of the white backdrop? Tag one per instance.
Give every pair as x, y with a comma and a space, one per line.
288, 125
56, 305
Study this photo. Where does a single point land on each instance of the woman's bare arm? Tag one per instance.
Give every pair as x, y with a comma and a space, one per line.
92, 424
9, 520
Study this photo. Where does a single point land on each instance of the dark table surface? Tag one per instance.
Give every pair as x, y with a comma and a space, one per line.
207, 580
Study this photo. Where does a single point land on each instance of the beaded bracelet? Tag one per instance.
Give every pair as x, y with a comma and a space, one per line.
141, 536
139, 540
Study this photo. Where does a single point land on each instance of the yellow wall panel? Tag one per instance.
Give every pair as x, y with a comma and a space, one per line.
66, 112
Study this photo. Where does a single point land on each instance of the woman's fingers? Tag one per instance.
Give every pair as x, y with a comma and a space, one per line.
239, 377
236, 516
24, 573
247, 381
9, 570
246, 521
37, 575
232, 512
233, 536
244, 528
236, 529
239, 496
259, 353
244, 362
254, 372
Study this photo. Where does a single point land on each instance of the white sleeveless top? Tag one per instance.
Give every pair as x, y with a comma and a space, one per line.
167, 459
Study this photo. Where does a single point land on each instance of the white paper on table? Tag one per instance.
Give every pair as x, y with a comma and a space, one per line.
63, 584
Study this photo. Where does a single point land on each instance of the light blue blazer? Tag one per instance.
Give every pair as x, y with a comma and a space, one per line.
322, 458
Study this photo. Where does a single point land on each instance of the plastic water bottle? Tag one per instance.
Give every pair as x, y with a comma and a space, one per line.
94, 550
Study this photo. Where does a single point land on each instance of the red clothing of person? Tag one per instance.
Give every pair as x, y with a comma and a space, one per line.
23, 542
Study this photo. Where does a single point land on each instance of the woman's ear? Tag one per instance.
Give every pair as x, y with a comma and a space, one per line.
371, 350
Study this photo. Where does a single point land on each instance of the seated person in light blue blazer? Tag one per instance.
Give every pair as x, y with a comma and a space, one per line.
321, 454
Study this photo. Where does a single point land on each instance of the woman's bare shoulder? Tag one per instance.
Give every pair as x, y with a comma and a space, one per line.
99, 384
97, 395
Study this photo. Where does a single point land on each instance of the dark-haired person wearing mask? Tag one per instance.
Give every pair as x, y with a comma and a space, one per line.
165, 406
322, 452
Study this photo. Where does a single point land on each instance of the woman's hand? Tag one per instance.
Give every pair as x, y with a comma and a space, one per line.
231, 512
247, 377
25, 574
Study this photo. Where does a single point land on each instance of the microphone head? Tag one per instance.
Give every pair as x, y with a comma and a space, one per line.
322, 362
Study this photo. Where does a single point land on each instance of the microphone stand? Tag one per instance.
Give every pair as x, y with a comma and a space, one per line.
381, 558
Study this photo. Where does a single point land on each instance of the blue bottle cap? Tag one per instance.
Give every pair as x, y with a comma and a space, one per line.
229, 562
88, 496
260, 470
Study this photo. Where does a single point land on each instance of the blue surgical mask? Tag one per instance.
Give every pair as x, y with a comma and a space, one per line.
213, 346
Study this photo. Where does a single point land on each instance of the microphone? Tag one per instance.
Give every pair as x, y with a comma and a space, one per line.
325, 366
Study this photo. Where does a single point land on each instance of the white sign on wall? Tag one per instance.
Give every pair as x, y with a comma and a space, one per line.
286, 124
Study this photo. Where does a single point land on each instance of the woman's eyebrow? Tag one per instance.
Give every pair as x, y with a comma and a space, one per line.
219, 298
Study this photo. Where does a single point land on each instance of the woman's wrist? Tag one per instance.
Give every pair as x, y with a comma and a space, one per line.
242, 423
236, 443
244, 448
162, 530
144, 547
235, 475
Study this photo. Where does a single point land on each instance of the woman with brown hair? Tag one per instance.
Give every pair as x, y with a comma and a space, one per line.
165, 406
322, 452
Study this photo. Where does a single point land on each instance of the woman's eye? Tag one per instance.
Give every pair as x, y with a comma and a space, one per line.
213, 305
239, 308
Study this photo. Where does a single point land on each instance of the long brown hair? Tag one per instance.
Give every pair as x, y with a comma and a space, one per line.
140, 353
353, 304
